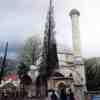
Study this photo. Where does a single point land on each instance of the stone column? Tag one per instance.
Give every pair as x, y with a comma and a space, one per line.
74, 14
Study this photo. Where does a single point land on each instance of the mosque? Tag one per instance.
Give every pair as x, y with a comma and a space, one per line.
70, 73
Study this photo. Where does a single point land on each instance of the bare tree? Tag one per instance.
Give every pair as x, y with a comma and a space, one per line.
3, 64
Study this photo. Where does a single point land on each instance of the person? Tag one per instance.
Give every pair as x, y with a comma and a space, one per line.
63, 95
57, 94
71, 95
53, 96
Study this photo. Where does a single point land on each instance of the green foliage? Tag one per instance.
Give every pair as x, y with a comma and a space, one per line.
23, 76
92, 67
22, 69
30, 51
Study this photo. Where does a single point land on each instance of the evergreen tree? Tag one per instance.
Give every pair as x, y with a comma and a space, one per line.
49, 58
92, 67
49, 55
22, 69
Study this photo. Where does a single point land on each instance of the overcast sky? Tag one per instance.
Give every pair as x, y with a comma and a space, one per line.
21, 18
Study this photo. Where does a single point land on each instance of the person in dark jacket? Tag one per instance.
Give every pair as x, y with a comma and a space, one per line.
53, 96
71, 95
63, 95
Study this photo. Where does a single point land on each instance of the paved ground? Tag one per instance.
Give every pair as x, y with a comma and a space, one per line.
11, 98
36, 99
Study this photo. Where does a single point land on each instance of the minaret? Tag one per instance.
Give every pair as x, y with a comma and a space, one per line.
76, 41
75, 32
79, 66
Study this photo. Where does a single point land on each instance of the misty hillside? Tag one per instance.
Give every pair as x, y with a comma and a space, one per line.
10, 66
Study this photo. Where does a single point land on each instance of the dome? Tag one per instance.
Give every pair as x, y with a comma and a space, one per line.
74, 12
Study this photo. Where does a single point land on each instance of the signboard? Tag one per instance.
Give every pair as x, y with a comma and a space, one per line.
96, 97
